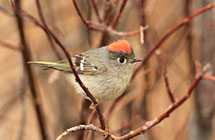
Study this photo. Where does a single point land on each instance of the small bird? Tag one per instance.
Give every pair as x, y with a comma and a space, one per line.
105, 71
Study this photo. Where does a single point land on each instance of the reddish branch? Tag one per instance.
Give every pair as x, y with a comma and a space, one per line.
79, 13
170, 94
40, 13
163, 70
170, 32
103, 27
96, 11
116, 18
91, 118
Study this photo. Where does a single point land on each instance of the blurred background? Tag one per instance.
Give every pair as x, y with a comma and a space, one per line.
147, 97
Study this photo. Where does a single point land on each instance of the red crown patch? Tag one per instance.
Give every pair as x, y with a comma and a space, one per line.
120, 46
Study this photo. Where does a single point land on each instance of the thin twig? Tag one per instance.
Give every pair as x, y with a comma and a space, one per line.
170, 94
116, 18
96, 11
91, 118
163, 70
40, 13
118, 33
208, 77
83, 127
170, 32
105, 28
79, 13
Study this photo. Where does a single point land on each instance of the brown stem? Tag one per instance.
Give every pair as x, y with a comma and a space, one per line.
170, 32
26, 54
39, 9
79, 13
170, 94
116, 18
96, 11
91, 118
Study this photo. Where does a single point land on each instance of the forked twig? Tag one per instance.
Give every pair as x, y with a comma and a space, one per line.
84, 127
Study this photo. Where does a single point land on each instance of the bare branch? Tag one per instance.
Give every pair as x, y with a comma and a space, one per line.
170, 32
163, 70
96, 11
116, 18
79, 13
83, 127
91, 117
170, 94
40, 13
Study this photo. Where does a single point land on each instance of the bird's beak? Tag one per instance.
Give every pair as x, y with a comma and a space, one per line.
136, 60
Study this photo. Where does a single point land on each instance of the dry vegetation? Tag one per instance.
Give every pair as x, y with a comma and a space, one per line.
40, 104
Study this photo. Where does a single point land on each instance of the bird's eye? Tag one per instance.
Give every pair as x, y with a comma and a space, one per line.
122, 60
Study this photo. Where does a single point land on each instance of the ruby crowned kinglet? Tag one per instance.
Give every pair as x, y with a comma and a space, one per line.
105, 71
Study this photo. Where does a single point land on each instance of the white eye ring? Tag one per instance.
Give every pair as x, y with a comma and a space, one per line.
122, 60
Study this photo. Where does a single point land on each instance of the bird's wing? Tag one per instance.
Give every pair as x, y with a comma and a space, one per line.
81, 65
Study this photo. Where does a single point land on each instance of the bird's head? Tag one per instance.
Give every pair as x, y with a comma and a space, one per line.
122, 53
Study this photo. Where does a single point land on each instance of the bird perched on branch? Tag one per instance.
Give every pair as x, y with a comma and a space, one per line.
105, 71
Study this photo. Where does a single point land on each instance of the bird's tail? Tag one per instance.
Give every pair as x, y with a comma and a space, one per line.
52, 65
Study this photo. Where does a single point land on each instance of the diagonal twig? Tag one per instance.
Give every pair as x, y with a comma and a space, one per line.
163, 70
116, 18
170, 32
96, 11
40, 13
